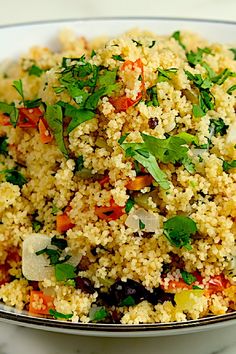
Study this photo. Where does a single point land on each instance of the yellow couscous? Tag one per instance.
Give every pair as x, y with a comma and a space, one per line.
118, 179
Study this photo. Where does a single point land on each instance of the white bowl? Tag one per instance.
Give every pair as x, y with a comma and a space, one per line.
15, 40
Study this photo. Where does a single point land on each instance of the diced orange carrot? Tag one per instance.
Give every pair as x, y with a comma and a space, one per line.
40, 303
45, 135
63, 223
139, 182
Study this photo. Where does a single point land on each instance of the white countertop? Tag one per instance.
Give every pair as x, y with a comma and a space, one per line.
19, 340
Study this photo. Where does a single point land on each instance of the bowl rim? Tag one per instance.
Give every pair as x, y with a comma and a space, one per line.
12, 315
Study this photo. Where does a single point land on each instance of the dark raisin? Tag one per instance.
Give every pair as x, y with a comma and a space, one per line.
153, 123
121, 290
34, 284
159, 296
83, 264
85, 285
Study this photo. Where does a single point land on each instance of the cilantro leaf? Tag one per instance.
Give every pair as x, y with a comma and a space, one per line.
36, 225
98, 313
179, 229
35, 70
33, 103
80, 96
129, 205
219, 126
92, 101
14, 177
195, 58
188, 138
197, 111
55, 209
188, 278
141, 225
11, 111
54, 118
64, 271
60, 243
231, 89
176, 36
227, 165
165, 75
58, 315
3, 146
224, 75
79, 163
17, 84
93, 53
118, 57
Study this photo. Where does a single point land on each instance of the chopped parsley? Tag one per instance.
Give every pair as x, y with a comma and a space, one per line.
55, 209
141, 225
128, 301
79, 163
195, 58
17, 84
152, 99
11, 111
188, 138
219, 126
59, 315
224, 75
35, 70
59, 242
3, 146
176, 35
33, 103
64, 272
233, 50
227, 165
36, 225
54, 118
188, 278
179, 230
54, 256
231, 89
118, 57
129, 205
14, 177
97, 314
93, 53
165, 75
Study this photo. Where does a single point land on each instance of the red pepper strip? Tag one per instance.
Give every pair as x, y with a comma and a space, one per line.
28, 118
122, 103
112, 212
45, 135
216, 284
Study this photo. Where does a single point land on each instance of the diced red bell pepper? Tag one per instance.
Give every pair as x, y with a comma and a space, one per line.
28, 118
104, 180
112, 212
217, 283
45, 134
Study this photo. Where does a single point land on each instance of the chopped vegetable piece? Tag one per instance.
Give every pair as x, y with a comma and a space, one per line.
35, 70
14, 177
53, 255
153, 99
33, 103
139, 183
97, 314
231, 89
3, 146
129, 205
118, 57
104, 180
217, 283
188, 138
224, 75
219, 126
64, 271
55, 210
63, 223
37, 225
233, 50
165, 75
10, 116
186, 300
60, 243
227, 165
55, 121
128, 301
188, 277
195, 58
176, 36
17, 84
40, 303
141, 225
45, 135
58, 315
179, 230
112, 212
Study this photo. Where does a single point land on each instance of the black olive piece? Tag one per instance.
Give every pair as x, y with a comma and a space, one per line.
85, 285
159, 296
120, 290
153, 123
